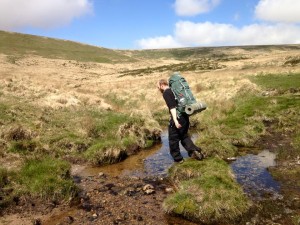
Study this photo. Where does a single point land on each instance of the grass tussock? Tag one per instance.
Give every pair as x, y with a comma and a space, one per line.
240, 121
206, 192
283, 105
46, 178
97, 136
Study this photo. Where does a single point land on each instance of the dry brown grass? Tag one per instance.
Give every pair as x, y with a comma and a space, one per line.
58, 83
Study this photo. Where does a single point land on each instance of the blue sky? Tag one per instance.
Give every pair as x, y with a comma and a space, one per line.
144, 24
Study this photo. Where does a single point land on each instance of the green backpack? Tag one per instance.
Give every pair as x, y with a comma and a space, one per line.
186, 102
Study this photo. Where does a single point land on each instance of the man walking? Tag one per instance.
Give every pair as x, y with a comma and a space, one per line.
178, 127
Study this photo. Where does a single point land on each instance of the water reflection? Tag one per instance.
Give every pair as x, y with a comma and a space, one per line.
152, 162
251, 172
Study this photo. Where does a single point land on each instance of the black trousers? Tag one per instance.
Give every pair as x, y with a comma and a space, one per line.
180, 135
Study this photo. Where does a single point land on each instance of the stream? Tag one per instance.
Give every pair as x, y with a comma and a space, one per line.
251, 171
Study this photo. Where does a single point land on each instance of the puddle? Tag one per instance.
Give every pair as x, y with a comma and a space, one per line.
153, 162
252, 174
250, 170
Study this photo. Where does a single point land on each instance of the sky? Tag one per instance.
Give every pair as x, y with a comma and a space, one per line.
155, 24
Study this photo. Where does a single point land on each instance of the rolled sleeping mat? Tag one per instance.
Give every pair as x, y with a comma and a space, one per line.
195, 108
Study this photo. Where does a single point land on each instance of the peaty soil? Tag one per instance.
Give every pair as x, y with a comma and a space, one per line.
105, 200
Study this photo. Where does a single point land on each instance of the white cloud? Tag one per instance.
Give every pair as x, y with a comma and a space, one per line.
194, 7
212, 34
189, 34
286, 11
158, 42
285, 30
41, 13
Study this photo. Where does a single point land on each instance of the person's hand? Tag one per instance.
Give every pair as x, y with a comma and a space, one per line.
177, 124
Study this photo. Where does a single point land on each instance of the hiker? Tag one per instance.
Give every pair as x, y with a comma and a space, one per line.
178, 127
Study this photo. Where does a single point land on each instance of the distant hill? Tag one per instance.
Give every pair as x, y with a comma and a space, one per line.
22, 44
223, 53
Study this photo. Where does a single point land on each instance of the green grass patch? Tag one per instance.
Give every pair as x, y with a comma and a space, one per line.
75, 133
23, 146
105, 152
242, 120
46, 178
285, 106
207, 192
239, 126
278, 81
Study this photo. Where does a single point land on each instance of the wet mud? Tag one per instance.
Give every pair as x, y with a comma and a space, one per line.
132, 192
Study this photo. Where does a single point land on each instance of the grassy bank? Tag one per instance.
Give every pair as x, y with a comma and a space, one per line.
206, 191
241, 121
46, 178
72, 133
37, 145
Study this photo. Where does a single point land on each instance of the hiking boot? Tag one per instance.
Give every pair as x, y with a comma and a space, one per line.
197, 155
180, 161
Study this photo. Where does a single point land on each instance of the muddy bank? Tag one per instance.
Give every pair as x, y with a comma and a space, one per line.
123, 198
104, 200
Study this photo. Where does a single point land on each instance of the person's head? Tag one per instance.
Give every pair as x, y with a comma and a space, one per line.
162, 85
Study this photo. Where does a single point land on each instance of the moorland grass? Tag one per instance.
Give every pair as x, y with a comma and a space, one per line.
47, 178
44, 138
206, 192
278, 81
202, 64
82, 133
17, 45
5, 193
207, 52
283, 105
3, 177
244, 121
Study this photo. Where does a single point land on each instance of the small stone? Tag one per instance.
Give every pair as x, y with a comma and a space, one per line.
169, 190
101, 174
95, 215
231, 158
147, 187
149, 191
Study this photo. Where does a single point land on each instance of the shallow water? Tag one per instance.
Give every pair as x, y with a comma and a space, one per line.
152, 162
250, 170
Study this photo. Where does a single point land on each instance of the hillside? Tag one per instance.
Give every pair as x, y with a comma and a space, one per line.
66, 105
22, 44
